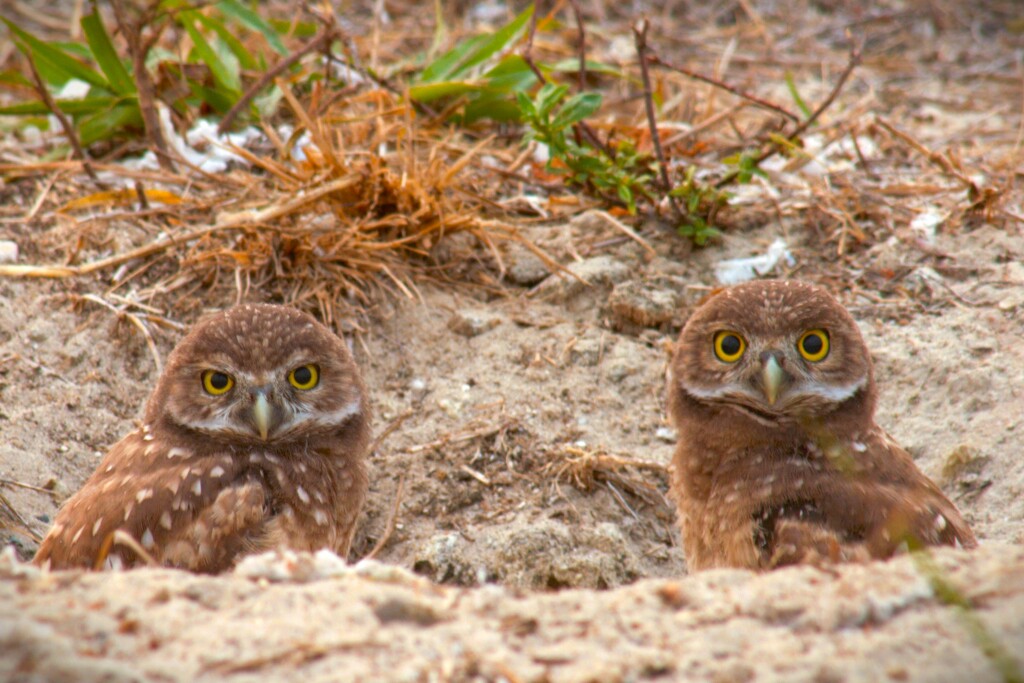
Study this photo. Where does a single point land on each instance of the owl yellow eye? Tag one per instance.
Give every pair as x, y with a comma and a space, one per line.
729, 346
304, 377
813, 345
217, 383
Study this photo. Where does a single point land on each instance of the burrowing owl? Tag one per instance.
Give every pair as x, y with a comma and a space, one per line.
254, 438
779, 459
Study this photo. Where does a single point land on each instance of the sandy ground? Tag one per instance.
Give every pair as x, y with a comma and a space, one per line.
517, 554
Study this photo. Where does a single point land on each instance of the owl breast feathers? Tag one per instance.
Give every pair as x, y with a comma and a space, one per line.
779, 459
253, 438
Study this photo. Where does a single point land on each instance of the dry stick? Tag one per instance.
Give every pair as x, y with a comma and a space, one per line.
653, 58
321, 41
389, 528
242, 219
582, 48
69, 130
854, 60
640, 37
132, 33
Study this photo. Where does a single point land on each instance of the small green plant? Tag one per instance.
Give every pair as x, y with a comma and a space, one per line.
550, 118
111, 108
746, 164
485, 72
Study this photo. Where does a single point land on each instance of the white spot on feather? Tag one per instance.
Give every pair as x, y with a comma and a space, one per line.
197, 487
147, 539
320, 517
859, 447
301, 493
143, 494
165, 520
96, 525
217, 471
78, 534
177, 452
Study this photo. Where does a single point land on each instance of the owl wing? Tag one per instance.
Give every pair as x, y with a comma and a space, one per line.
919, 513
873, 502
184, 509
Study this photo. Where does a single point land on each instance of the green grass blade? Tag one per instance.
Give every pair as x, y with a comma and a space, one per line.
58, 60
244, 57
444, 67
88, 105
796, 96
109, 123
222, 75
499, 40
106, 55
246, 17
428, 92
476, 50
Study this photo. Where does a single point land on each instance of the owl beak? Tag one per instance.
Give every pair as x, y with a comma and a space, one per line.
261, 414
772, 378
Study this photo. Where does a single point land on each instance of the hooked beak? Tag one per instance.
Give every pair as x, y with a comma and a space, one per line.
772, 377
261, 414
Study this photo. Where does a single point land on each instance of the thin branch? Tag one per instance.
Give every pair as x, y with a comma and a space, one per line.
389, 528
851, 64
137, 49
320, 42
69, 129
582, 47
640, 36
653, 58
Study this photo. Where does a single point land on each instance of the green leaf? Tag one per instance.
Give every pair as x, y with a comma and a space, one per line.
106, 55
74, 107
577, 108
107, 124
217, 99
245, 16
796, 95
222, 75
444, 67
14, 78
495, 106
58, 60
428, 92
476, 50
512, 74
548, 96
571, 65
244, 57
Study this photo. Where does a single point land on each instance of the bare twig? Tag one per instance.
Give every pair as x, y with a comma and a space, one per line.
137, 49
653, 58
69, 130
774, 148
640, 36
320, 42
389, 528
581, 49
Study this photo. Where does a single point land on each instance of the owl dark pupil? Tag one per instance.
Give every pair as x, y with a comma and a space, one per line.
303, 375
218, 380
812, 344
731, 345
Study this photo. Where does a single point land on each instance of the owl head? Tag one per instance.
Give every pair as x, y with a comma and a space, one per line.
260, 375
772, 350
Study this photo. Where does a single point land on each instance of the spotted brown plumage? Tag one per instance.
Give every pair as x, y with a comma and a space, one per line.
254, 438
779, 460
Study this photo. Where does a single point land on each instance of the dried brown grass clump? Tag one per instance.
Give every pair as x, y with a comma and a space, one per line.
359, 210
